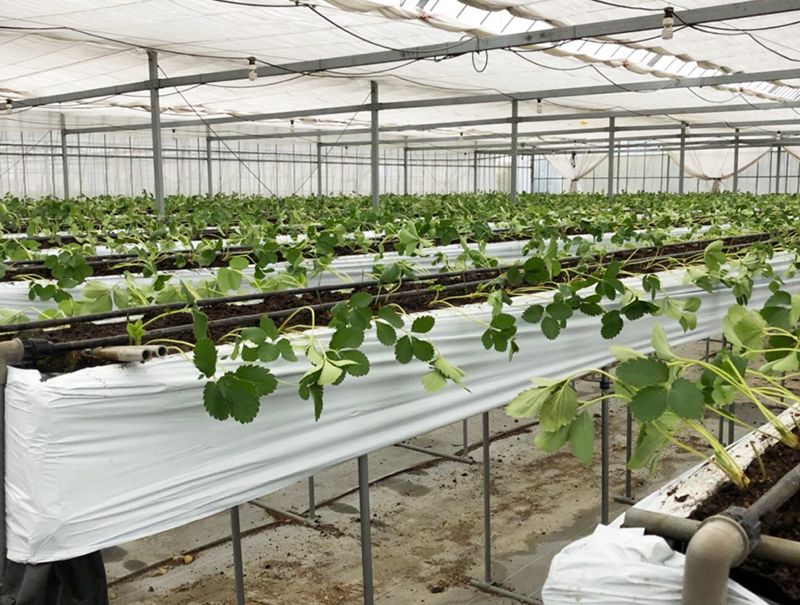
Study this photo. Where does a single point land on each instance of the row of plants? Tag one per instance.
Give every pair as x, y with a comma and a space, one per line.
593, 286
249, 257
112, 221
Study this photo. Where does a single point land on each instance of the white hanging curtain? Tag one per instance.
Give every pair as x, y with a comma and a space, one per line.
716, 164
574, 166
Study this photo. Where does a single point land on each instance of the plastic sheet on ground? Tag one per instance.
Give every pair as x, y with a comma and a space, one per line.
110, 454
615, 566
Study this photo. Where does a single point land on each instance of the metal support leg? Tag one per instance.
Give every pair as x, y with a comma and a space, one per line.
312, 501
487, 510
366, 530
731, 425
627, 496
155, 121
238, 565
605, 387
487, 583
465, 438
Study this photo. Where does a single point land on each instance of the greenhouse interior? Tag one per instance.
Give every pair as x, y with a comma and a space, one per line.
432, 302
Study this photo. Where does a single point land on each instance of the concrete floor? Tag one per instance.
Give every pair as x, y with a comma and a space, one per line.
426, 527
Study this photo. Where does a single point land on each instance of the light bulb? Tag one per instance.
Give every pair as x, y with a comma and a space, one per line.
252, 74
9, 105
173, 134
668, 23
539, 108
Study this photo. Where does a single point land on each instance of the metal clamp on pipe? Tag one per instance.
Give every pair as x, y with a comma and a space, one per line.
130, 354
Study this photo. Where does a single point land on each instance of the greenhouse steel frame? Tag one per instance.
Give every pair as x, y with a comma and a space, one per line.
514, 148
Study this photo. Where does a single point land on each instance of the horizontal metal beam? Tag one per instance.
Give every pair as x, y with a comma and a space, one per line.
587, 115
724, 12
434, 140
600, 146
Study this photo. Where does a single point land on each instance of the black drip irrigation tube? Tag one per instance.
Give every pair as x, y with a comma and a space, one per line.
566, 262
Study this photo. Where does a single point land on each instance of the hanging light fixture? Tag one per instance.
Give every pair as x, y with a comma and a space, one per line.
668, 23
9, 104
539, 108
252, 74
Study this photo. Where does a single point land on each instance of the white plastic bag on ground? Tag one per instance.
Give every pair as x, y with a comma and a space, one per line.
616, 566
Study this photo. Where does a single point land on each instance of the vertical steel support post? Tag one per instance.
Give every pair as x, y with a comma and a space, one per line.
238, 564
611, 136
374, 147
533, 173
155, 121
312, 500
465, 438
319, 169
605, 387
512, 194
366, 530
736, 161
682, 159
778, 168
52, 165
209, 172
105, 161
405, 170
23, 154
64, 159
487, 510
475, 171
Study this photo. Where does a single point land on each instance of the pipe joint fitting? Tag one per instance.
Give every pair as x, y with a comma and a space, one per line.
749, 524
738, 528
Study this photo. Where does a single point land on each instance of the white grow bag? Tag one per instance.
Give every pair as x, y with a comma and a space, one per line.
588, 571
110, 454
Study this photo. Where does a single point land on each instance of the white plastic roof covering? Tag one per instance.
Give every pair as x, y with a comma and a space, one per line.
50, 47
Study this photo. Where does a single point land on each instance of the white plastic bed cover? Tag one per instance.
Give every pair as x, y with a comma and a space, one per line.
110, 454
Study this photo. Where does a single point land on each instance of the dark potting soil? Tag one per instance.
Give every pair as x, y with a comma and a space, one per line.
413, 296
780, 583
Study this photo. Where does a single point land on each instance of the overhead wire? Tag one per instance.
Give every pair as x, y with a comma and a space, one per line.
228, 147
330, 147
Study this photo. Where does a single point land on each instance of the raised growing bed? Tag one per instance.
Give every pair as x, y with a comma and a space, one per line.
141, 432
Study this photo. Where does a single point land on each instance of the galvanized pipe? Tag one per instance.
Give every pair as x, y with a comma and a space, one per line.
512, 194
155, 127
610, 186
366, 530
736, 161
682, 159
374, 145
